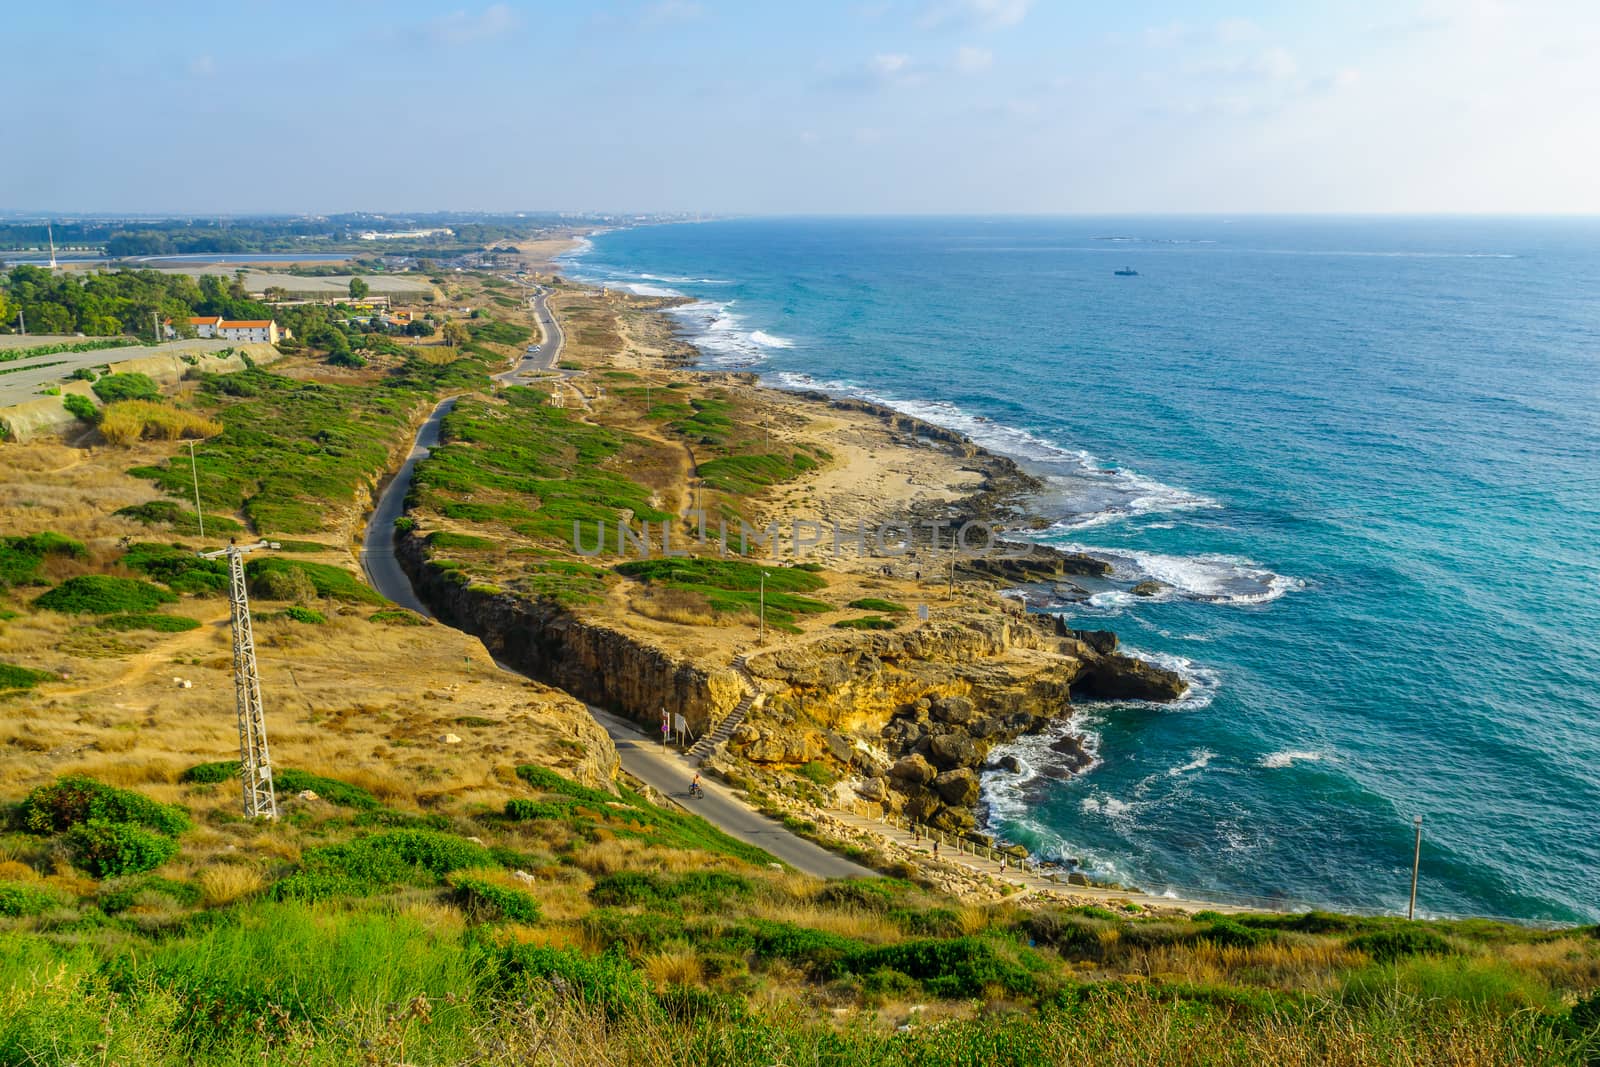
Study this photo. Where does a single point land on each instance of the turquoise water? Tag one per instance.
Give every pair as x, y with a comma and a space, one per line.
1364, 455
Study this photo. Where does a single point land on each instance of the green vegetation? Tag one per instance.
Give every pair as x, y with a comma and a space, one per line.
444, 539
14, 677
107, 849
750, 474
309, 616
180, 518
397, 617
732, 585
9, 354
81, 407
289, 449
390, 937
489, 331
276, 578
22, 557
532, 467
75, 800
166, 624
867, 622
103, 594
178, 568
115, 387
872, 603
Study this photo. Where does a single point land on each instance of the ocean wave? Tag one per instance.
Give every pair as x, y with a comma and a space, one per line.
719, 333
1289, 757
1199, 760
1213, 577
1080, 488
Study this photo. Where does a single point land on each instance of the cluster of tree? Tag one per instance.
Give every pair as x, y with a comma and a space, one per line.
165, 237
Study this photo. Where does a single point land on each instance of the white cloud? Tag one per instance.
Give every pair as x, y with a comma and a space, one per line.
459, 27
889, 64
671, 11
1276, 63
971, 60
990, 14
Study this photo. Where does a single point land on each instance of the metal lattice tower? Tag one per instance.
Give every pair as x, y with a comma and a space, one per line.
255, 764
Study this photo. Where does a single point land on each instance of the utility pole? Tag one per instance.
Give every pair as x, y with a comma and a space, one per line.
255, 764
763, 605
155, 317
194, 472
1416, 862
950, 591
22, 324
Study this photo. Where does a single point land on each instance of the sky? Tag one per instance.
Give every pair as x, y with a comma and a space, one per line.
767, 107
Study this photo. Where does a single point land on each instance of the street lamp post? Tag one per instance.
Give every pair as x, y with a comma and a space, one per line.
763, 605
194, 472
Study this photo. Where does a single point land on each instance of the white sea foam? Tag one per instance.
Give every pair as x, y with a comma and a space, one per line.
1083, 489
770, 340
1199, 760
719, 333
1212, 577
1289, 757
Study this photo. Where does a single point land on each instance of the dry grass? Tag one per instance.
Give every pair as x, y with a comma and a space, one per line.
846, 922
679, 965
228, 882
128, 421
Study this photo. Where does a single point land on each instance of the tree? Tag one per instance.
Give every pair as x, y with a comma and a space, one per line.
456, 334
358, 289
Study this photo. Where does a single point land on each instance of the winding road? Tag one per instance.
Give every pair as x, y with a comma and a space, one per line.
664, 771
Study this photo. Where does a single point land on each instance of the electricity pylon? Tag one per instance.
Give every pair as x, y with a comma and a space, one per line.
255, 765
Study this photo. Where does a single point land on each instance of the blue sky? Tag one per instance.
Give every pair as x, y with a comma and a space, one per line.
919, 106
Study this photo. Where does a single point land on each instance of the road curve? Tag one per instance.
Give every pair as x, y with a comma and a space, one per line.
664, 772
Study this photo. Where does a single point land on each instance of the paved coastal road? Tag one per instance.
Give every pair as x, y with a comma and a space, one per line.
666, 773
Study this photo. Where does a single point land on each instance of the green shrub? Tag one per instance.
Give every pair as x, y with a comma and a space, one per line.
305, 615
444, 539
962, 967
14, 677
178, 568
866, 622
605, 982
1585, 1013
547, 781
166, 624
113, 848
21, 898
171, 513
1226, 933
1400, 942
21, 557
485, 900
289, 780
872, 603
75, 799
103, 594
114, 387
334, 583
818, 772
283, 583
122, 894
397, 617
210, 773
80, 406
638, 932
532, 810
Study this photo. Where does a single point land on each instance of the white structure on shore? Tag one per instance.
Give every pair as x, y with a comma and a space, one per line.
248, 330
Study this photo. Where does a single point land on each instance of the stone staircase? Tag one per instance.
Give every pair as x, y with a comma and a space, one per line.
724, 729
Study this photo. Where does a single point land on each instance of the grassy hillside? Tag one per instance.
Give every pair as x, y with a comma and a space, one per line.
570, 925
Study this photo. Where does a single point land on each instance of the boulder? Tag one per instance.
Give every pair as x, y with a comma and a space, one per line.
955, 710
839, 747
948, 751
306, 794
958, 788
873, 789
449, 739
1149, 587
1102, 641
912, 769
1120, 677
1009, 764
1077, 878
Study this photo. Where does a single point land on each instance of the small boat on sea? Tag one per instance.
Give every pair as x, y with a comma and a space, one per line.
1127, 272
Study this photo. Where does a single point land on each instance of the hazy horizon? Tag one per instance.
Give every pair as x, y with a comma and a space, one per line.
917, 107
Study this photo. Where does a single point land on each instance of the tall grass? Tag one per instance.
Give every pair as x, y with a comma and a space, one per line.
128, 421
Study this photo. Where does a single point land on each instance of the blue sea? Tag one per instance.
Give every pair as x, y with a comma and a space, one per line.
1363, 456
